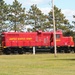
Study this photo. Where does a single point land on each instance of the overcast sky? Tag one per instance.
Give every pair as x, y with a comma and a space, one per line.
67, 6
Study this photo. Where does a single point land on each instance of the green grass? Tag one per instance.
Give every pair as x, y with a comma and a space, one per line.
39, 64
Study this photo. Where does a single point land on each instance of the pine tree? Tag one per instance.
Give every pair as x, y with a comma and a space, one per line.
60, 20
73, 22
16, 16
3, 15
36, 18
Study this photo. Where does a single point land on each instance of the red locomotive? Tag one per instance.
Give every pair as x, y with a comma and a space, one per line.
21, 42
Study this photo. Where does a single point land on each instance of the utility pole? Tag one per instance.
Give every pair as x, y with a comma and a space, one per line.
55, 51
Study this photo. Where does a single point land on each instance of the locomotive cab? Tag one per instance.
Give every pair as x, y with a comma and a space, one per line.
58, 38
63, 43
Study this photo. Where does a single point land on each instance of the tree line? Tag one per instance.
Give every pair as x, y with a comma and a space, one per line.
14, 17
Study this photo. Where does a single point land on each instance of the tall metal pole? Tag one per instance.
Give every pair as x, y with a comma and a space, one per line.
55, 51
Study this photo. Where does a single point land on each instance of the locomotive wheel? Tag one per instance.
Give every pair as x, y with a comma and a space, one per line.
20, 51
52, 50
15, 51
6, 51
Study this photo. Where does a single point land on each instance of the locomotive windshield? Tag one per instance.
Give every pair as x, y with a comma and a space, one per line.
57, 36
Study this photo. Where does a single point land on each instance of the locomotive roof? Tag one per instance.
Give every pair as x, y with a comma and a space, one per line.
39, 32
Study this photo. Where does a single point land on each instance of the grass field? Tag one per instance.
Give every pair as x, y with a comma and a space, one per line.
39, 64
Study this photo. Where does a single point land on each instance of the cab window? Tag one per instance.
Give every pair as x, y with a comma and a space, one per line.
57, 36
